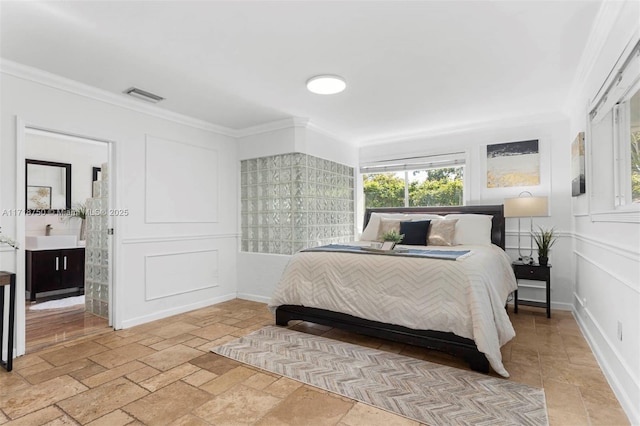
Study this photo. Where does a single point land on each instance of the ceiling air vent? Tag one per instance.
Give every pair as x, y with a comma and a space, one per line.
145, 96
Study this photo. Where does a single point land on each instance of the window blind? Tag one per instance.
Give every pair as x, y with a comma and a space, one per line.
455, 159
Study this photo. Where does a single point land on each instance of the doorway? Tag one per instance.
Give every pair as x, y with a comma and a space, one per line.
67, 281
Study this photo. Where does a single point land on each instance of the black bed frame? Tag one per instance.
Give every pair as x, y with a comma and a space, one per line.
438, 340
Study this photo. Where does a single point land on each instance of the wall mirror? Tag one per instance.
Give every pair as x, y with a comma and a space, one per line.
48, 186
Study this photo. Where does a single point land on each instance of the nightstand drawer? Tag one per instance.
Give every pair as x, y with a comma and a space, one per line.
536, 272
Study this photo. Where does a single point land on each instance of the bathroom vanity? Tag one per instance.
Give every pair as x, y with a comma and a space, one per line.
53, 266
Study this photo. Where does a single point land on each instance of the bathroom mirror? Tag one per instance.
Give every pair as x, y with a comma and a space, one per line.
48, 186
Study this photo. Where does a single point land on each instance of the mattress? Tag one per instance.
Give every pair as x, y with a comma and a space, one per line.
464, 296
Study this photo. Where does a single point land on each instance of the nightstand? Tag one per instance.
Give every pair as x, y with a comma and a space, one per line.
537, 273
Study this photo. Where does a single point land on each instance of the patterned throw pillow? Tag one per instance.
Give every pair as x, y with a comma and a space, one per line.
370, 233
442, 232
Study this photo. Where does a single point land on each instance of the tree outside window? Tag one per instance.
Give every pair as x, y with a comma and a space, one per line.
435, 187
634, 130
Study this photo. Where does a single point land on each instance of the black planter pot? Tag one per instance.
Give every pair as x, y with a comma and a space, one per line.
543, 260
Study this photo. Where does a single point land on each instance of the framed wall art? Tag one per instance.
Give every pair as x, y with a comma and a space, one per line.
513, 164
578, 182
38, 197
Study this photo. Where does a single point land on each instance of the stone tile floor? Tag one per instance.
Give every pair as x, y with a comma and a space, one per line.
163, 373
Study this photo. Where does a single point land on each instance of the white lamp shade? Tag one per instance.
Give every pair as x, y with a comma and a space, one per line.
526, 207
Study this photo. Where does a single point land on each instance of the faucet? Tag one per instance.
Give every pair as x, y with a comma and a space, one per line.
47, 230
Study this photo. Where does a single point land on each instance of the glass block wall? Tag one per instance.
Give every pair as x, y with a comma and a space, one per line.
96, 265
293, 201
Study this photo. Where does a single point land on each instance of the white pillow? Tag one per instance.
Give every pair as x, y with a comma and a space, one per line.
472, 229
414, 217
370, 232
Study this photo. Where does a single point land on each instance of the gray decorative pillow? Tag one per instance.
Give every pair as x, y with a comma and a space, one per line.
442, 232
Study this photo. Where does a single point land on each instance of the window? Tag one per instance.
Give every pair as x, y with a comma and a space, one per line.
614, 122
635, 146
628, 122
426, 181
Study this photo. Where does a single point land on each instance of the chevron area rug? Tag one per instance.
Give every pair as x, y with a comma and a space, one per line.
427, 392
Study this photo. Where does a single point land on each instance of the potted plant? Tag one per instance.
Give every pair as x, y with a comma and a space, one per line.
392, 236
80, 211
545, 239
6, 240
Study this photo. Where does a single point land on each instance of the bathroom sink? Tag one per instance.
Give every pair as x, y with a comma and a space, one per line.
50, 242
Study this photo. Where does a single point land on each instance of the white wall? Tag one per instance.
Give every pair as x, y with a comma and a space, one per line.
555, 182
259, 273
606, 254
82, 156
54, 104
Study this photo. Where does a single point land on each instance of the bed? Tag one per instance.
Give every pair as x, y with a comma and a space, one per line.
466, 288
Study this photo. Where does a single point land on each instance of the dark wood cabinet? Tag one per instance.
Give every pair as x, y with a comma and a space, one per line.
48, 270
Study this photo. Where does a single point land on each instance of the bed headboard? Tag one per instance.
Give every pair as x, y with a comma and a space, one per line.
497, 211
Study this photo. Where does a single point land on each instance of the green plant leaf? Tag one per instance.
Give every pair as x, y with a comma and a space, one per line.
545, 239
392, 236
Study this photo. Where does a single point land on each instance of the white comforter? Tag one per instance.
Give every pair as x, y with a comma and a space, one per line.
465, 296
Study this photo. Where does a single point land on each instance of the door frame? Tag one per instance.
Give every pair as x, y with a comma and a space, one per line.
22, 129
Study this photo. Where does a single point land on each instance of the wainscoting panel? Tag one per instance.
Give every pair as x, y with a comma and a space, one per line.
607, 296
165, 273
172, 274
181, 182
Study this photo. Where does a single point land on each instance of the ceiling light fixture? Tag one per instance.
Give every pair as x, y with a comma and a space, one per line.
144, 95
326, 84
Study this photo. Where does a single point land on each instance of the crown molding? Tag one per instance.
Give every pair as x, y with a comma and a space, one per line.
55, 81
504, 123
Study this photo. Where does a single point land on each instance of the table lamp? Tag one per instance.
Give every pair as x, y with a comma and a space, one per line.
526, 206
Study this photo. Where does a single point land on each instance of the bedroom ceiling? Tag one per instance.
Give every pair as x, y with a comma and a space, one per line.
410, 67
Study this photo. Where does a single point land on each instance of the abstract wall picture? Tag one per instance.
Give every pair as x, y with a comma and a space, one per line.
513, 164
578, 182
38, 197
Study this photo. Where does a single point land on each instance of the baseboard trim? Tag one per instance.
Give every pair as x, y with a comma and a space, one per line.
626, 402
253, 297
561, 306
175, 311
